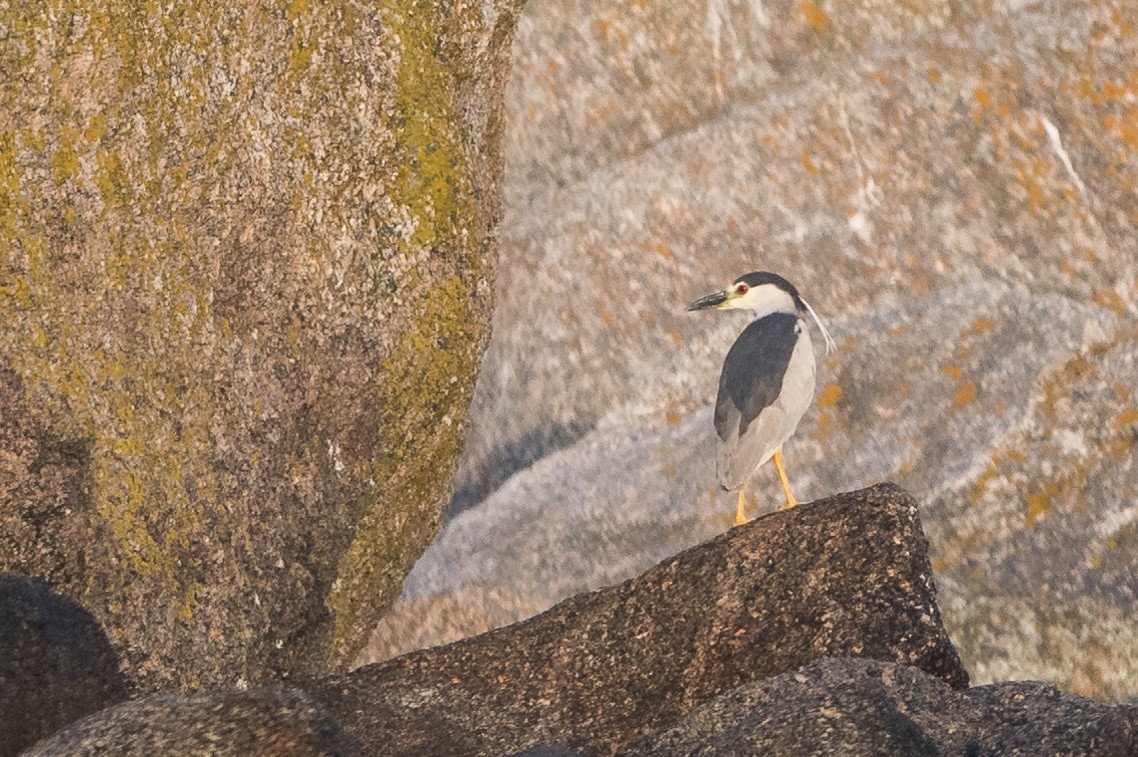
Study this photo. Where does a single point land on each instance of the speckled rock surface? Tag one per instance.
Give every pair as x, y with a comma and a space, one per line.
867, 707
245, 281
847, 576
56, 664
274, 722
951, 186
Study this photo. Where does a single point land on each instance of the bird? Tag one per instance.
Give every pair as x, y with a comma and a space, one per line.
767, 382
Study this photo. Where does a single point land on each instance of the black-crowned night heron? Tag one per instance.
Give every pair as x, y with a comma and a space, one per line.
767, 381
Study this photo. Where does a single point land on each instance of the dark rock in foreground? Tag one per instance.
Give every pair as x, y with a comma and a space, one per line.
270, 722
727, 648
852, 706
56, 664
843, 577
846, 576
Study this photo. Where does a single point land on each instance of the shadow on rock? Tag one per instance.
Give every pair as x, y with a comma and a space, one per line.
56, 664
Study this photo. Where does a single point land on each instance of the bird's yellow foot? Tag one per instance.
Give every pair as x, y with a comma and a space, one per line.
790, 500
740, 513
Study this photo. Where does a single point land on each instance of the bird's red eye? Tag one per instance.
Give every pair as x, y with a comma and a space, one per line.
741, 289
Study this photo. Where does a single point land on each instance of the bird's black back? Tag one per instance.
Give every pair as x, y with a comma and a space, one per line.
753, 371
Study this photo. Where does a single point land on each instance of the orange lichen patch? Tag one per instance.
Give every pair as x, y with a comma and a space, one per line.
1040, 503
604, 29
1104, 93
769, 141
606, 315
674, 334
830, 396
966, 394
669, 469
961, 352
882, 77
822, 430
981, 486
663, 251
1058, 384
1123, 391
980, 325
814, 16
921, 285
1112, 92
720, 75
733, 223
597, 113
897, 328
951, 371
934, 76
1128, 417
1029, 174
982, 96
807, 163
1124, 127
1109, 299
1124, 27
849, 344
941, 564
671, 417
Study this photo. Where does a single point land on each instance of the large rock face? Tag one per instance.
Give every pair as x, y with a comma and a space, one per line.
951, 186
244, 285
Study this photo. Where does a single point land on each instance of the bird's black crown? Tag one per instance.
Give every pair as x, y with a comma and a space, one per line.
758, 278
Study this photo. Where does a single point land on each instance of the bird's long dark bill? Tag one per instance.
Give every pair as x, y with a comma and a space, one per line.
709, 301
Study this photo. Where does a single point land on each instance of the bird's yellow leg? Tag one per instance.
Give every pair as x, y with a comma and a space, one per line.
740, 514
790, 500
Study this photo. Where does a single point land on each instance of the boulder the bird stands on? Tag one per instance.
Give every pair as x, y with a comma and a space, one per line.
767, 381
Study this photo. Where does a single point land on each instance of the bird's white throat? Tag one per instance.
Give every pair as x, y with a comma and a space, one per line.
764, 300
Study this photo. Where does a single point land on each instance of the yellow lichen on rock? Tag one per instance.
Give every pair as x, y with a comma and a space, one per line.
231, 241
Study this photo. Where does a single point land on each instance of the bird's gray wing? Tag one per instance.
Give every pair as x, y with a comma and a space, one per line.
753, 372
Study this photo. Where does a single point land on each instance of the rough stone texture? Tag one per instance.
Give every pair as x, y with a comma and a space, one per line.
245, 280
847, 576
952, 186
56, 664
273, 722
866, 707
